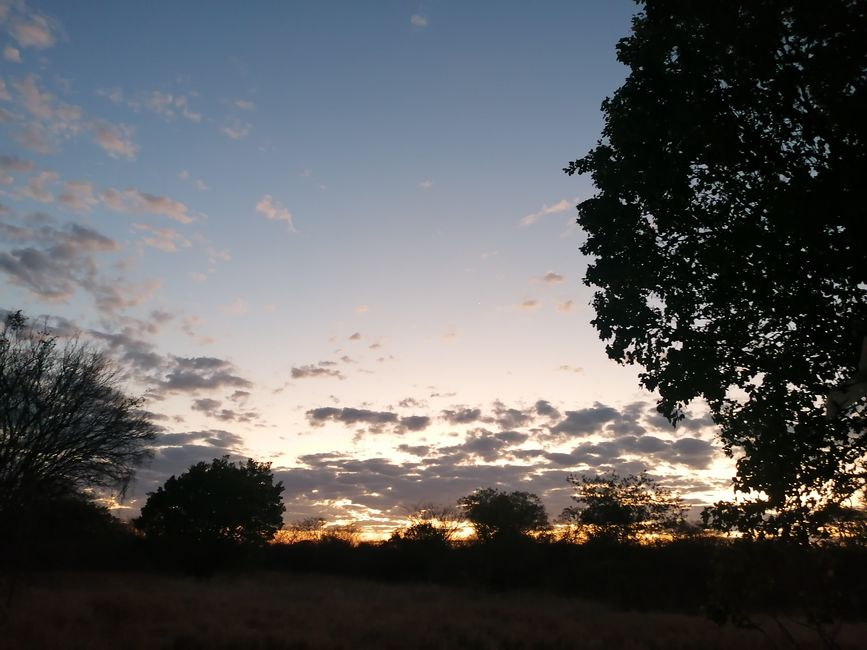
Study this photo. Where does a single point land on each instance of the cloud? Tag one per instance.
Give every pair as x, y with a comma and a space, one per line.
419, 21
426, 184
167, 240
274, 210
35, 30
586, 421
237, 308
566, 306
544, 408
552, 278
192, 374
533, 217
236, 129
169, 106
362, 309
530, 304
12, 54
78, 196
376, 421
132, 200
355, 336
245, 105
318, 371
115, 139
461, 415
51, 263
212, 408
568, 368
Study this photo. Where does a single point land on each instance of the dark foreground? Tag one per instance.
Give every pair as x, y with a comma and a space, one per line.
274, 610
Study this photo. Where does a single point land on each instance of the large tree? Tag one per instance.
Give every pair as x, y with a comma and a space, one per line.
217, 502
497, 515
623, 509
728, 238
66, 425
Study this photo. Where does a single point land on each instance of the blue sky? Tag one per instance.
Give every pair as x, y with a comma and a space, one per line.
332, 235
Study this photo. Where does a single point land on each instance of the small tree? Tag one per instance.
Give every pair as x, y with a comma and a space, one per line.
65, 424
498, 515
623, 509
215, 502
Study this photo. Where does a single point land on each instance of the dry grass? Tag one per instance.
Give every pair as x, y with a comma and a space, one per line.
272, 610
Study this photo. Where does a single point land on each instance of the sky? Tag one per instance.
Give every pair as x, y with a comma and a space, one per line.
333, 236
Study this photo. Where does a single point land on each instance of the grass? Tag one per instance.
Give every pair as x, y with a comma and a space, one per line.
129, 611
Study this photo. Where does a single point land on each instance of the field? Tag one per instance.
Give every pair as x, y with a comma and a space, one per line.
280, 610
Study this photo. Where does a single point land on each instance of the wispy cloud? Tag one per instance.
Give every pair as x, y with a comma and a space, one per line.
167, 240
33, 30
419, 21
135, 201
274, 210
533, 217
426, 184
236, 129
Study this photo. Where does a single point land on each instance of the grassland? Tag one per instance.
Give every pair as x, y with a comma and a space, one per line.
129, 611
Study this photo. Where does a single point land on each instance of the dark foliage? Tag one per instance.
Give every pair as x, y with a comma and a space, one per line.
623, 509
728, 236
215, 503
65, 423
500, 516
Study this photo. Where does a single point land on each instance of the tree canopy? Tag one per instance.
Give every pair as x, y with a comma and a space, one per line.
623, 508
728, 237
499, 515
220, 501
65, 423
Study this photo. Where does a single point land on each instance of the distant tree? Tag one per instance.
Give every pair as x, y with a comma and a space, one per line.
499, 515
308, 529
430, 523
66, 426
216, 502
623, 508
727, 239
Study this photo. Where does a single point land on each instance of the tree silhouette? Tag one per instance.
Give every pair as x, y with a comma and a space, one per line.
216, 502
727, 238
497, 515
623, 509
65, 424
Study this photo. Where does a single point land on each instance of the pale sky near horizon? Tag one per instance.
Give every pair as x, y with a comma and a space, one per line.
332, 235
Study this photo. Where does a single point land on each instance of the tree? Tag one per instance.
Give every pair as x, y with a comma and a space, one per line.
623, 509
431, 524
497, 515
727, 238
214, 503
65, 424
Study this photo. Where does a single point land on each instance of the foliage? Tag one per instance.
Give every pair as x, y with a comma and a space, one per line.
308, 529
216, 502
623, 509
500, 515
727, 237
65, 424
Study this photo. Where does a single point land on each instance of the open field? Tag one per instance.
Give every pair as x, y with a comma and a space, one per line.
280, 610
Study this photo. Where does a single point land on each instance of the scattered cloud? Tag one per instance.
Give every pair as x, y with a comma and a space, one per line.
568, 368
566, 306
237, 308
78, 196
355, 336
133, 200
236, 129
34, 30
192, 374
419, 21
115, 139
530, 304
12, 54
167, 240
274, 210
533, 217
245, 105
319, 371
426, 184
552, 278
